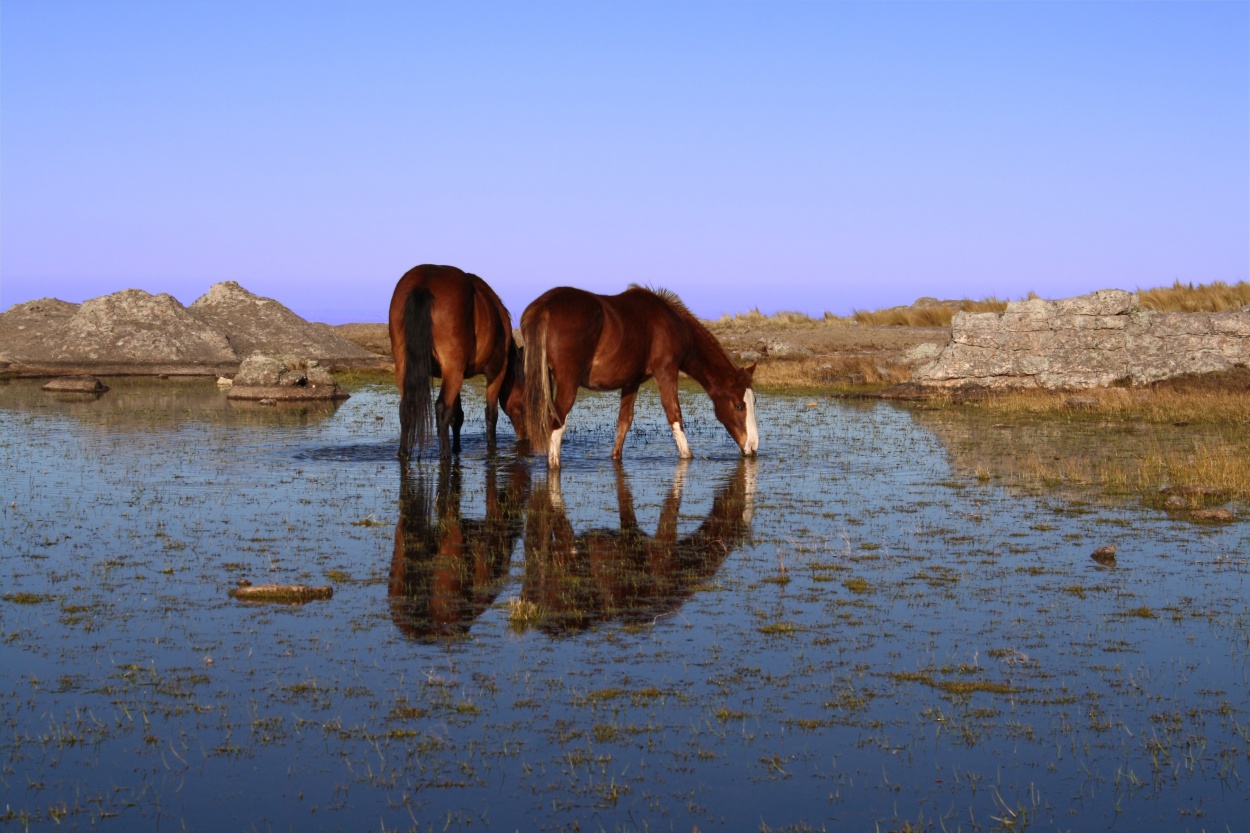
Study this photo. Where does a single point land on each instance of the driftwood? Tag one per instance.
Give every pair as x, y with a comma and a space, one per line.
281, 593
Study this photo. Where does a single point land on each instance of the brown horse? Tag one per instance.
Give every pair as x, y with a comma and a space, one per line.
616, 342
448, 323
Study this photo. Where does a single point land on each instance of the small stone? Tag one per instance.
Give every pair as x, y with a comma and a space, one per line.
223, 382
76, 384
1104, 555
1212, 515
283, 593
1194, 491
1081, 403
1175, 502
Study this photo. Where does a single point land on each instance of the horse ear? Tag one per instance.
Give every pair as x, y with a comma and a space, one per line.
748, 373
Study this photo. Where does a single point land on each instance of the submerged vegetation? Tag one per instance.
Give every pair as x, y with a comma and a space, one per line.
1186, 434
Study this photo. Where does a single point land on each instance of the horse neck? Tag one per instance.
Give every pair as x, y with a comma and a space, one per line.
707, 363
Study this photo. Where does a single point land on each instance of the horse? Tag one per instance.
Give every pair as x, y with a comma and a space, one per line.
620, 572
451, 324
616, 342
447, 569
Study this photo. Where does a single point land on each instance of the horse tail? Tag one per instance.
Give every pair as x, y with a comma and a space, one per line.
538, 395
415, 411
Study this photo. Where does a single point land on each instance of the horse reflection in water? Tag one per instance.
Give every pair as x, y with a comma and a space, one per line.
447, 569
580, 580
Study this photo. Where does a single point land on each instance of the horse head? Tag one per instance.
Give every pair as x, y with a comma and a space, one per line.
734, 402
512, 394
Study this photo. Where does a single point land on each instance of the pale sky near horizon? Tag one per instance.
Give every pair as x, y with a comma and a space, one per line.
772, 155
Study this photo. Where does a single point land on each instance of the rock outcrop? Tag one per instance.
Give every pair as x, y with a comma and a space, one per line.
254, 324
76, 384
135, 332
1091, 341
283, 379
135, 327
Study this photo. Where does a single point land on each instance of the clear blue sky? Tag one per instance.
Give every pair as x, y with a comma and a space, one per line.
808, 156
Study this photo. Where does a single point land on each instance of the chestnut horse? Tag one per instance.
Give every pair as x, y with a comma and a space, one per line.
448, 323
616, 342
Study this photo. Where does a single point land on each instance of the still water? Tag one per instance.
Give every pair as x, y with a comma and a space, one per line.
851, 632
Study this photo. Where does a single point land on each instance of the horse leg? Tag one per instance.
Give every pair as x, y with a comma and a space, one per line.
626, 418
445, 411
492, 406
666, 381
566, 394
442, 415
457, 420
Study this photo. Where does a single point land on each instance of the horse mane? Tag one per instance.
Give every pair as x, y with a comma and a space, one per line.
678, 306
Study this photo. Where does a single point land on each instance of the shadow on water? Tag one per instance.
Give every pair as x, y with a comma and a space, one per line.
622, 573
447, 569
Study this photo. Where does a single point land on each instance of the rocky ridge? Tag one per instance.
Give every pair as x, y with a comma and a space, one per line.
135, 332
1096, 340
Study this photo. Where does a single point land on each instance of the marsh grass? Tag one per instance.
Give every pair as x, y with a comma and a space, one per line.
1191, 437
1219, 400
829, 374
364, 378
523, 614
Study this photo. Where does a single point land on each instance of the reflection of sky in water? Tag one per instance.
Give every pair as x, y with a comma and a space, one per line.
756, 699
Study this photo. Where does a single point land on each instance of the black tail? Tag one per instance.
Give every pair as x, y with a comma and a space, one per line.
415, 413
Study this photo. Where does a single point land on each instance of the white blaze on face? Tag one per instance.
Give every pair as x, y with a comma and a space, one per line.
753, 432
553, 447
683, 447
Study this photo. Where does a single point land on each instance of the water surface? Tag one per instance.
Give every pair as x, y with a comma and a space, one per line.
854, 631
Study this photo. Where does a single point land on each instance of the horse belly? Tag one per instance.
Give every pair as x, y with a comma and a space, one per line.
615, 371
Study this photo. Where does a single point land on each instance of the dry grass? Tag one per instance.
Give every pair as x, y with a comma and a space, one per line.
848, 372
932, 315
1212, 297
777, 321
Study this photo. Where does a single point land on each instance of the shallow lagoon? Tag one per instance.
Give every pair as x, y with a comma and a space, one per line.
852, 632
